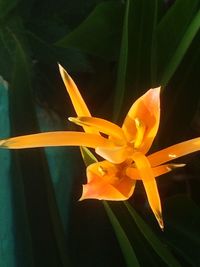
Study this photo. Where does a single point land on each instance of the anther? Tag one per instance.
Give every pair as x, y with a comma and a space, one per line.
102, 171
140, 132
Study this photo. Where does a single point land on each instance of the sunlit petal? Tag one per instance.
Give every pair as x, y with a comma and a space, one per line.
117, 154
142, 121
154, 200
76, 98
56, 139
102, 126
157, 171
106, 182
174, 152
147, 176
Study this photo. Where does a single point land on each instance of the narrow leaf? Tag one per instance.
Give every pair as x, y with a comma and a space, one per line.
6, 6
153, 61
96, 34
7, 229
36, 190
153, 240
126, 247
182, 232
122, 66
175, 33
141, 61
87, 156
184, 44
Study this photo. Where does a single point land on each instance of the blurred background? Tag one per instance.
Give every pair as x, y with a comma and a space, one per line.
115, 51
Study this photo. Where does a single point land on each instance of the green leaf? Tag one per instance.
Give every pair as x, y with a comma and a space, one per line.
33, 182
99, 33
19, 82
7, 49
122, 67
6, 6
60, 162
182, 228
141, 36
153, 240
126, 247
7, 231
175, 33
137, 60
74, 59
183, 90
153, 45
87, 156
142, 19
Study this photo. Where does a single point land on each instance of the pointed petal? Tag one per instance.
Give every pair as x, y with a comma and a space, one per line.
174, 152
142, 121
76, 98
102, 126
147, 176
157, 171
55, 139
105, 182
154, 200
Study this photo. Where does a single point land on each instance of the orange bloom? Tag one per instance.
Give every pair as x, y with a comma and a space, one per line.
123, 149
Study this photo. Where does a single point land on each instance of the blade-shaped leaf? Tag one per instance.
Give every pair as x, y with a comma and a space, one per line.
96, 34
153, 240
126, 247
175, 33
35, 187
60, 162
182, 89
122, 66
6, 6
182, 231
87, 156
141, 36
7, 234
184, 44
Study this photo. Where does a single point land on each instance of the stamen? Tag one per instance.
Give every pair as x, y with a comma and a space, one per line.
173, 156
76, 121
140, 132
105, 127
174, 166
102, 170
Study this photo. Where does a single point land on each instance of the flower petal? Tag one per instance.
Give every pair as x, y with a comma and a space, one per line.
115, 154
157, 171
59, 138
147, 176
154, 200
142, 121
102, 126
76, 98
174, 152
106, 182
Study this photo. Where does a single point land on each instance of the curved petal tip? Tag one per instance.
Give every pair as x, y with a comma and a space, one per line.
159, 219
3, 143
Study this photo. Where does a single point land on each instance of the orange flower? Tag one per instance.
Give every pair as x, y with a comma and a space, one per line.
123, 150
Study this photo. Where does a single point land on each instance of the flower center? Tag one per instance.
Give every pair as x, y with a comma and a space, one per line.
103, 171
139, 136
